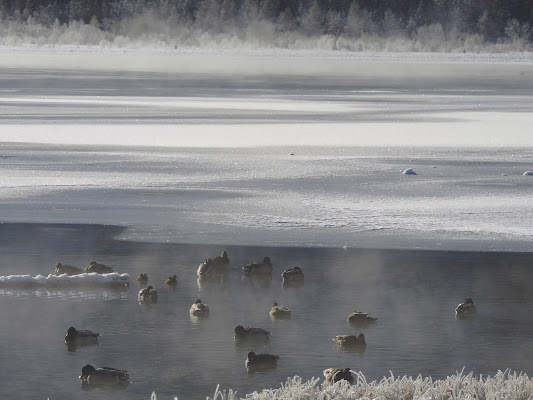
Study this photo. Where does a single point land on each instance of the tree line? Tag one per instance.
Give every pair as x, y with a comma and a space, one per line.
491, 20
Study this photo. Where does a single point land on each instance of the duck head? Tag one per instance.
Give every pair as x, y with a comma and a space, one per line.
86, 371
72, 331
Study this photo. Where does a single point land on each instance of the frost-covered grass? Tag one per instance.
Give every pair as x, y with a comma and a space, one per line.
503, 385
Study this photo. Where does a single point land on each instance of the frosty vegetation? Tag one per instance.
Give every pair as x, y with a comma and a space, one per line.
348, 25
503, 385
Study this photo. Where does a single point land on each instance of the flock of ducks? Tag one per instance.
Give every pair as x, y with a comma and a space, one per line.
215, 266
93, 266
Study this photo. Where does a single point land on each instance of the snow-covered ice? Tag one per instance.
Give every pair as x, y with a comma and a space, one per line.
277, 149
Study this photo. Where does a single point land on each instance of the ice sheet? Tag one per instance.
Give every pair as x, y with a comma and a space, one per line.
314, 159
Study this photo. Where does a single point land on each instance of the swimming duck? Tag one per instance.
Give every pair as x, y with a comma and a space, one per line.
142, 278
293, 275
98, 268
350, 340
214, 265
333, 375
250, 333
199, 309
260, 360
259, 267
360, 318
278, 311
94, 376
466, 308
75, 336
67, 269
172, 280
148, 294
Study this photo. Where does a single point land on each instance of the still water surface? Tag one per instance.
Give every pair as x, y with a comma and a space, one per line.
413, 294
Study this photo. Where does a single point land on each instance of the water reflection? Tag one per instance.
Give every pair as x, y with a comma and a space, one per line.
73, 346
206, 282
120, 293
104, 387
260, 281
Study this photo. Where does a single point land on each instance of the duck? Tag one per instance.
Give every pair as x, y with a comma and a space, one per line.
172, 280
199, 308
92, 375
259, 267
333, 375
75, 336
360, 318
214, 265
142, 278
265, 360
148, 294
278, 311
61, 269
292, 275
350, 340
466, 308
98, 268
250, 333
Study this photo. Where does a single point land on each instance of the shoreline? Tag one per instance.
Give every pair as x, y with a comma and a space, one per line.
103, 240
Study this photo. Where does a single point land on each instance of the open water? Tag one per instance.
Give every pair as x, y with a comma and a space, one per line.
412, 293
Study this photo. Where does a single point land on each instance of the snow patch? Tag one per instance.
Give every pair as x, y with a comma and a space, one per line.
92, 279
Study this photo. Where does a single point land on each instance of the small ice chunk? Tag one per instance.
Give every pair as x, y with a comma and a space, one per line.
409, 171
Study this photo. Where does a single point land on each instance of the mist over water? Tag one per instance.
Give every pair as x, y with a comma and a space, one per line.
412, 293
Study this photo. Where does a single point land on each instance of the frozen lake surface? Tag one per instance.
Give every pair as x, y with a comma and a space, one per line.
296, 151
299, 158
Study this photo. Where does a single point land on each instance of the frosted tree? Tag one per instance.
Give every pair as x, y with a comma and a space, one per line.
228, 10
208, 16
487, 26
85, 10
248, 14
359, 22
269, 10
312, 21
287, 21
515, 31
335, 23
391, 25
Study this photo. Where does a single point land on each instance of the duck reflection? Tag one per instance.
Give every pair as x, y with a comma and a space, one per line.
260, 362
261, 281
206, 282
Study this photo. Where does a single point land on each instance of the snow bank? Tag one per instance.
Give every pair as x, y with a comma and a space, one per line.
93, 279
